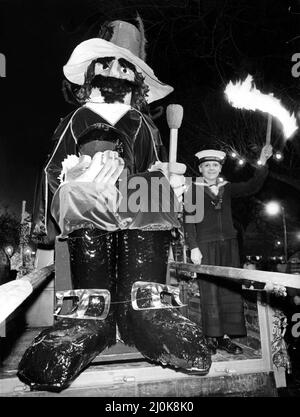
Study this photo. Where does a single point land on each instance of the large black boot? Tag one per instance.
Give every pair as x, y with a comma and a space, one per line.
61, 352
162, 335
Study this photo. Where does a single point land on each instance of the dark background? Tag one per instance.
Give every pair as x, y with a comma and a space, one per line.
197, 46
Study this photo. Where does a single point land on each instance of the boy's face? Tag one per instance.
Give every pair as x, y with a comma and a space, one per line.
210, 170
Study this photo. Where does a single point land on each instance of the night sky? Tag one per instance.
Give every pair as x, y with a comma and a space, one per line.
195, 46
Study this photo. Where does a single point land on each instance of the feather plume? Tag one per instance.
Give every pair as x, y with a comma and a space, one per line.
105, 31
143, 42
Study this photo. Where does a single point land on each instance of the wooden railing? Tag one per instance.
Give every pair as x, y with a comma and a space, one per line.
14, 293
239, 274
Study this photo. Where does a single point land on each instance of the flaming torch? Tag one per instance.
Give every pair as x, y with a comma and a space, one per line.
245, 95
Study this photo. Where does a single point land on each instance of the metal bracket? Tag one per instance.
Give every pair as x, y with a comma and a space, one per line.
154, 295
87, 304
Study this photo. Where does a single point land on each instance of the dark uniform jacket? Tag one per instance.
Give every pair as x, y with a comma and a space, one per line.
217, 223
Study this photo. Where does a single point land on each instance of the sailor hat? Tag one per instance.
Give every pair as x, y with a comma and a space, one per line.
211, 155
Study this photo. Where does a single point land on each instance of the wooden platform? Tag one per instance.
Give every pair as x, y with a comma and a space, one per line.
122, 371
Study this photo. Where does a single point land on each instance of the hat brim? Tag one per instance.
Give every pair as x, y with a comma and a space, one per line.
211, 158
94, 48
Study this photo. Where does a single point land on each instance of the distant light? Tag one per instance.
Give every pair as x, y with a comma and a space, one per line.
27, 251
273, 208
9, 250
221, 179
278, 243
259, 162
241, 162
278, 156
233, 155
258, 258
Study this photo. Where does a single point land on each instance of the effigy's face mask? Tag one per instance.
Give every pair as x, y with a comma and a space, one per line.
210, 170
113, 81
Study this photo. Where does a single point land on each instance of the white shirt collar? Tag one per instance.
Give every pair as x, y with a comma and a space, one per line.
112, 112
204, 184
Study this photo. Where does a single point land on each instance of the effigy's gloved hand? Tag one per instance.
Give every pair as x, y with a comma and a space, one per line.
88, 194
196, 256
105, 168
73, 167
174, 171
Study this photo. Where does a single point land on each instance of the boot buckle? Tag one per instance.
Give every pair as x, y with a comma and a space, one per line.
87, 304
152, 295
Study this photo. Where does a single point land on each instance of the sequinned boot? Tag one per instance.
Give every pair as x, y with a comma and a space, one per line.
61, 352
161, 335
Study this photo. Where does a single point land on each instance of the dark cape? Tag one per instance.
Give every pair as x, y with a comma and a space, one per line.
145, 151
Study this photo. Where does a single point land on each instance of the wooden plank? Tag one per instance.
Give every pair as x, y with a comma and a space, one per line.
143, 381
239, 274
39, 312
38, 276
139, 378
14, 293
265, 331
63, 279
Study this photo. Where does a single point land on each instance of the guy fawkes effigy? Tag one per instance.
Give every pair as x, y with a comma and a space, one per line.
118, 255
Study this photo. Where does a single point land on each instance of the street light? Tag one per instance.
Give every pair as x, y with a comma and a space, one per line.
273, 208
9, 250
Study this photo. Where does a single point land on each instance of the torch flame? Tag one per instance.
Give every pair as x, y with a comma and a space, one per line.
245, 95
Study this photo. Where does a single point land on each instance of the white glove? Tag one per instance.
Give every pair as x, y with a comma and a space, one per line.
174, 172
265, 154
105, 168
196, 256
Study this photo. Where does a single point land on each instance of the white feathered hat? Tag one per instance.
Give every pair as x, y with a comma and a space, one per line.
127, 42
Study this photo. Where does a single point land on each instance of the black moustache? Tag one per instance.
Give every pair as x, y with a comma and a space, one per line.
112, 89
